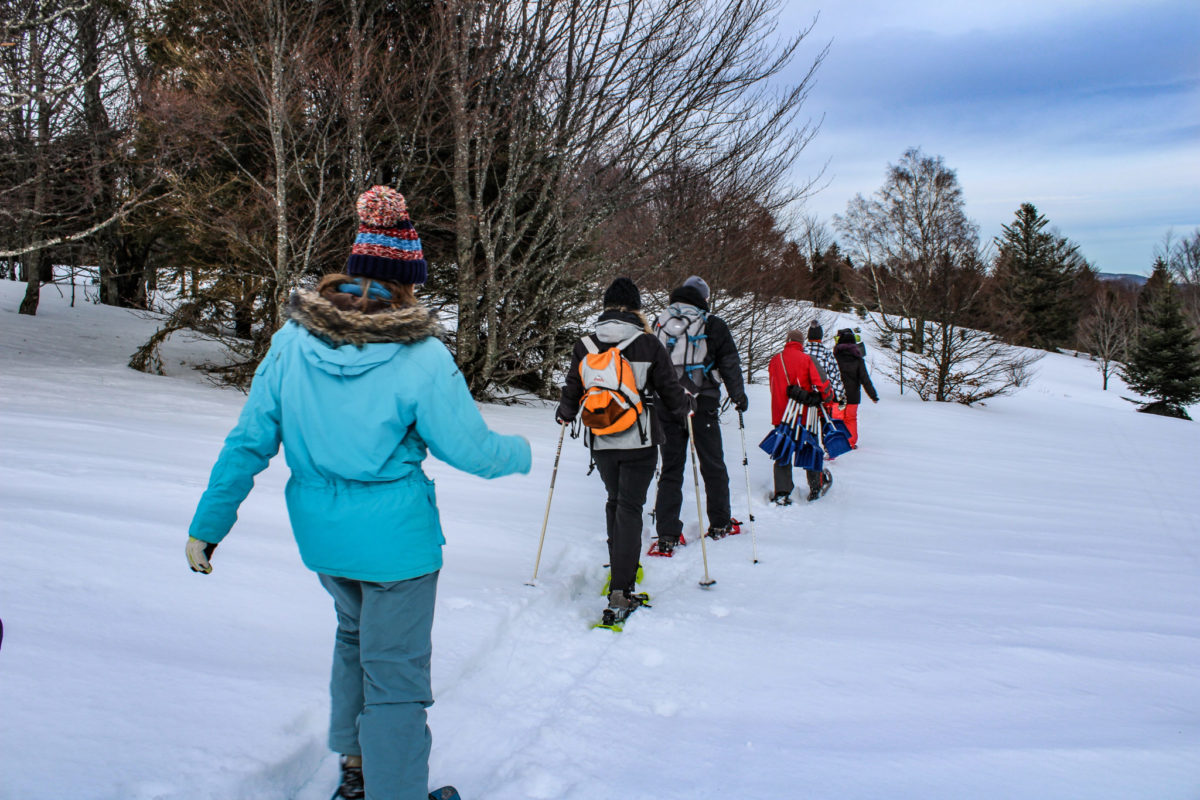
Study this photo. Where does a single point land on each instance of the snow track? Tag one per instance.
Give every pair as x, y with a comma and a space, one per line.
996, 602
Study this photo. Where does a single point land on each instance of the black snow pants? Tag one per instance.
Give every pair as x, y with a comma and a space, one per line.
710, 451
626, 475
784, 483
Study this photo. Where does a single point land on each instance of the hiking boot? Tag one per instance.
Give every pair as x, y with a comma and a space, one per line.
352, 779
667, 545
782, 498
818, 485
621, 600
719, 531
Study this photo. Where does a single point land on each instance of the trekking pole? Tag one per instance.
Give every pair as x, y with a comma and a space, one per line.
707, 582
746, 465
654, 502
545, 520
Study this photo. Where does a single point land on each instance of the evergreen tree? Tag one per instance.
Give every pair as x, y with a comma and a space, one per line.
828, 282
1164, 363
1037, 272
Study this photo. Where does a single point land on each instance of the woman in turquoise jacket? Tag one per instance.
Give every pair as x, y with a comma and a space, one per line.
358, 387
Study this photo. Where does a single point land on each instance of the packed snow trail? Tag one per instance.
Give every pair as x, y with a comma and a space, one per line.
991, 602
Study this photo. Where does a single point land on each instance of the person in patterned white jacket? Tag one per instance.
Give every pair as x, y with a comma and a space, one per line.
825, 360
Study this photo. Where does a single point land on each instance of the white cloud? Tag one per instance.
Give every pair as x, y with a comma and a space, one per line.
1086, 109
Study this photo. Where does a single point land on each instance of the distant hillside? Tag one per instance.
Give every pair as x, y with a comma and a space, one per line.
1124, 277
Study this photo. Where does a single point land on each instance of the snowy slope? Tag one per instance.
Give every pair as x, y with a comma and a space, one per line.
997, 602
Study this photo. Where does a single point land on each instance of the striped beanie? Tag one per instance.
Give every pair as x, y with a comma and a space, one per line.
387, 246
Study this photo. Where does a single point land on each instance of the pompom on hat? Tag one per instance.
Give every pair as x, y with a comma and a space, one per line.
387, 247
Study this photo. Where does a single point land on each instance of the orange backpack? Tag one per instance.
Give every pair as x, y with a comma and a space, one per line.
611, 401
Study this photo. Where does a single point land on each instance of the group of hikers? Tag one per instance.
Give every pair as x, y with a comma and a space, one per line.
359, 388
644, 389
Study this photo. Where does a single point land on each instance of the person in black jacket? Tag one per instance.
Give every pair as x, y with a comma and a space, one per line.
854, 379
857, 334
715, 364
626, 459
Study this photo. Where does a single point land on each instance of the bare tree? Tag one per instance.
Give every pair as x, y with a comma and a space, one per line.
814, 236
248, 114
734, 236
564, 114
65, 125
927, 282
757, 282
1182, 257
1107, 331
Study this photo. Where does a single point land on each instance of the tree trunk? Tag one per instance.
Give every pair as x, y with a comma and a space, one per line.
35, 272
277, 117
243, 313
467, 336
119, 286
33, 284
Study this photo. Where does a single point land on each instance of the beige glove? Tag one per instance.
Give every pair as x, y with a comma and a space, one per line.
198, 553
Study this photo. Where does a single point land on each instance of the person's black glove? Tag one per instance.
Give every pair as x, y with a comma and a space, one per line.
799, 395
560, 419
740, 404
814, 399
692, 401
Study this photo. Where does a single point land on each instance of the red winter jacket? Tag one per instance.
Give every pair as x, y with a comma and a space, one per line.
794, 364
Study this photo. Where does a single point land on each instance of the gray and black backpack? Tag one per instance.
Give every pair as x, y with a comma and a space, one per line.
682, 330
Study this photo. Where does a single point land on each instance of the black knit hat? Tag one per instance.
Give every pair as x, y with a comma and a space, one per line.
624, 293
845, 336
815, 332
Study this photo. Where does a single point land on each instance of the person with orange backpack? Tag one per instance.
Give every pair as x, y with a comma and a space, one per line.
616, 375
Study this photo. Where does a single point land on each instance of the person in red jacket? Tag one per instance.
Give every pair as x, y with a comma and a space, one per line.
796, 376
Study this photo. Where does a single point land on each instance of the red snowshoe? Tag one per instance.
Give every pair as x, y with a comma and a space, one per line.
666, 549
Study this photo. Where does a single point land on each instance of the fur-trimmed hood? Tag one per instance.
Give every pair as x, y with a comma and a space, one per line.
337, 327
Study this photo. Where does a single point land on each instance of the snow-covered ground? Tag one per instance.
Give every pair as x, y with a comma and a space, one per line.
995, 602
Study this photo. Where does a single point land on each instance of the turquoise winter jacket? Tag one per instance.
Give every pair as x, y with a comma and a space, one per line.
357, 400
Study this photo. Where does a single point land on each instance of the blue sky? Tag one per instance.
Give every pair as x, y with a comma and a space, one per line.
1088, 110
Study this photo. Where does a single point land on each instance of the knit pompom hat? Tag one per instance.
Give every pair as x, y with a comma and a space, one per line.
387, 247
815, 332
